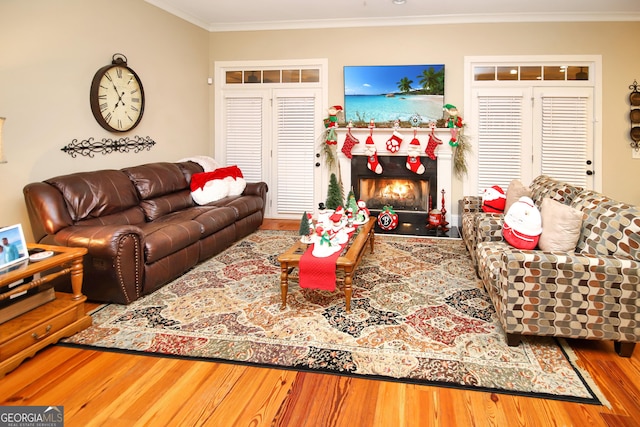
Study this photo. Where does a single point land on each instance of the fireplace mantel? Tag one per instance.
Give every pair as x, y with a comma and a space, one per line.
444, 155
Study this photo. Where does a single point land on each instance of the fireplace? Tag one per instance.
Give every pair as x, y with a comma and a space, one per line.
412, 196
396, 186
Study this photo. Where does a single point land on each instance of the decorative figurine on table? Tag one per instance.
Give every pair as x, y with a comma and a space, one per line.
453, 122
306, 228
362, 214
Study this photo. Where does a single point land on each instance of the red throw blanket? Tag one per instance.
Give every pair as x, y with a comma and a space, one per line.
319, 272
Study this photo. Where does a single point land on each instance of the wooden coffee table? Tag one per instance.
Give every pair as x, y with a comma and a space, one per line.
346, 263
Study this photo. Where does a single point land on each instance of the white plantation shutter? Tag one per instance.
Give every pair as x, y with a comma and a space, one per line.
565, 137
295, 137
499, 144
523, 133
244, 135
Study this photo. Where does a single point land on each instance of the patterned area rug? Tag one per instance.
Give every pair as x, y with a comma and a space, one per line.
419, 314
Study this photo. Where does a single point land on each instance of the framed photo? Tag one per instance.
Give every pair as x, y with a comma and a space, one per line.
13, 247
387, 93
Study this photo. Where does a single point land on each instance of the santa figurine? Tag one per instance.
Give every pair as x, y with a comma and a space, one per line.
413, 158
362, 215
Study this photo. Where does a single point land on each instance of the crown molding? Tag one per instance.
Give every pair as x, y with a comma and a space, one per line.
398, 21
423, 20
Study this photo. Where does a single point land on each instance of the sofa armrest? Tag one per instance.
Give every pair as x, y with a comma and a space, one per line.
256, 189
102, 241
471, 204
578, 295
489, 227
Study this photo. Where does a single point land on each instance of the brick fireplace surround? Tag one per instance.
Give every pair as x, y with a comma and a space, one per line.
412, 223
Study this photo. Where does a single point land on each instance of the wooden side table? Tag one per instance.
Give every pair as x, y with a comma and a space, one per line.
30, 332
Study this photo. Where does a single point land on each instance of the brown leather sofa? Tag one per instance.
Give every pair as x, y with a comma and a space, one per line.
140, 224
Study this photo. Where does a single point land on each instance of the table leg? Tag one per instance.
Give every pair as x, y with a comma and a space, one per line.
372, 238
284, 284
76, 278
347, 290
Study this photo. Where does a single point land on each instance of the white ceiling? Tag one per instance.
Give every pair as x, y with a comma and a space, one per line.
245, 15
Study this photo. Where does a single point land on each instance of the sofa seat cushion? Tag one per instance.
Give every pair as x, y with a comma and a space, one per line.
242, 205
213, 218
163, 238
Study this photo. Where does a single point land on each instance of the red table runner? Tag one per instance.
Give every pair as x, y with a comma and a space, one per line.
319, 272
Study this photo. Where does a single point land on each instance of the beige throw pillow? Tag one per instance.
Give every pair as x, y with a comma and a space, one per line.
516, 190
561, 226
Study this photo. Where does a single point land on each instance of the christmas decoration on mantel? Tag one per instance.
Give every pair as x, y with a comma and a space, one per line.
87, 147
458, 141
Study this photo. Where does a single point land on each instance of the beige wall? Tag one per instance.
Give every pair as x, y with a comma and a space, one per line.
449, 44
50, 51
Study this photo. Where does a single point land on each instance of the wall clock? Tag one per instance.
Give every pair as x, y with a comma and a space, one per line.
117, 96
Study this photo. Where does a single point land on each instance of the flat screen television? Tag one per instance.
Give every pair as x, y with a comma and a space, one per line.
412, 94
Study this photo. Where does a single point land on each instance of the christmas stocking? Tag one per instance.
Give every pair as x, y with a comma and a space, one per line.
372, 162
433, 143
393, 144
349, 142
413, 159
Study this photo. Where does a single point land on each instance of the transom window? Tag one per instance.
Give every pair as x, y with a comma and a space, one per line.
262, 76
530, 72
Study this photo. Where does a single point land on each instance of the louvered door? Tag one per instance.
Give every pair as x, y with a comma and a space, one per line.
524, 132
563, 140
296, 129
244, 133
271, 136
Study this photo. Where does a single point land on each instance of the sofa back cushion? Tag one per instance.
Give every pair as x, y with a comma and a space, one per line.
609, 227
156, 179
95, 194
162, 188
545, 186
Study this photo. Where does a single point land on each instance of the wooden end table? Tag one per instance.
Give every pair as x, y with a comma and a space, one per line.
347, 263
23, 336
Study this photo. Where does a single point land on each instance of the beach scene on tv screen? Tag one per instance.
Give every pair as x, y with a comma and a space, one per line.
387, 93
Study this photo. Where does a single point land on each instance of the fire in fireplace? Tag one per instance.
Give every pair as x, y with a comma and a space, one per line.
402, 194
396, 186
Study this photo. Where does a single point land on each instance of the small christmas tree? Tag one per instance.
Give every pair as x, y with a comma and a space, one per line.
334, 193
304, 225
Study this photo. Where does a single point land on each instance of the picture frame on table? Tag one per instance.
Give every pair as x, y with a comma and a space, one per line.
13, 246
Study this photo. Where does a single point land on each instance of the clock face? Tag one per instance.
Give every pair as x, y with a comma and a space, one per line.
117, 98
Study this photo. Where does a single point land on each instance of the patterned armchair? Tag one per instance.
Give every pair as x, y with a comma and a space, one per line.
592, 293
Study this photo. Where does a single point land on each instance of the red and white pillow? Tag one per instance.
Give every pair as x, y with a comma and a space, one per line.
207, 187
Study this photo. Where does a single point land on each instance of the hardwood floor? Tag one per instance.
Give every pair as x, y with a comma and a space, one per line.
104, 388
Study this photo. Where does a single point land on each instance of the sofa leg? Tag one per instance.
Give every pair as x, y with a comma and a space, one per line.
624, 349
513, 340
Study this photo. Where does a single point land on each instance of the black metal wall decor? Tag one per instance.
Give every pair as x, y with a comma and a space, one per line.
634, 116
87, 147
